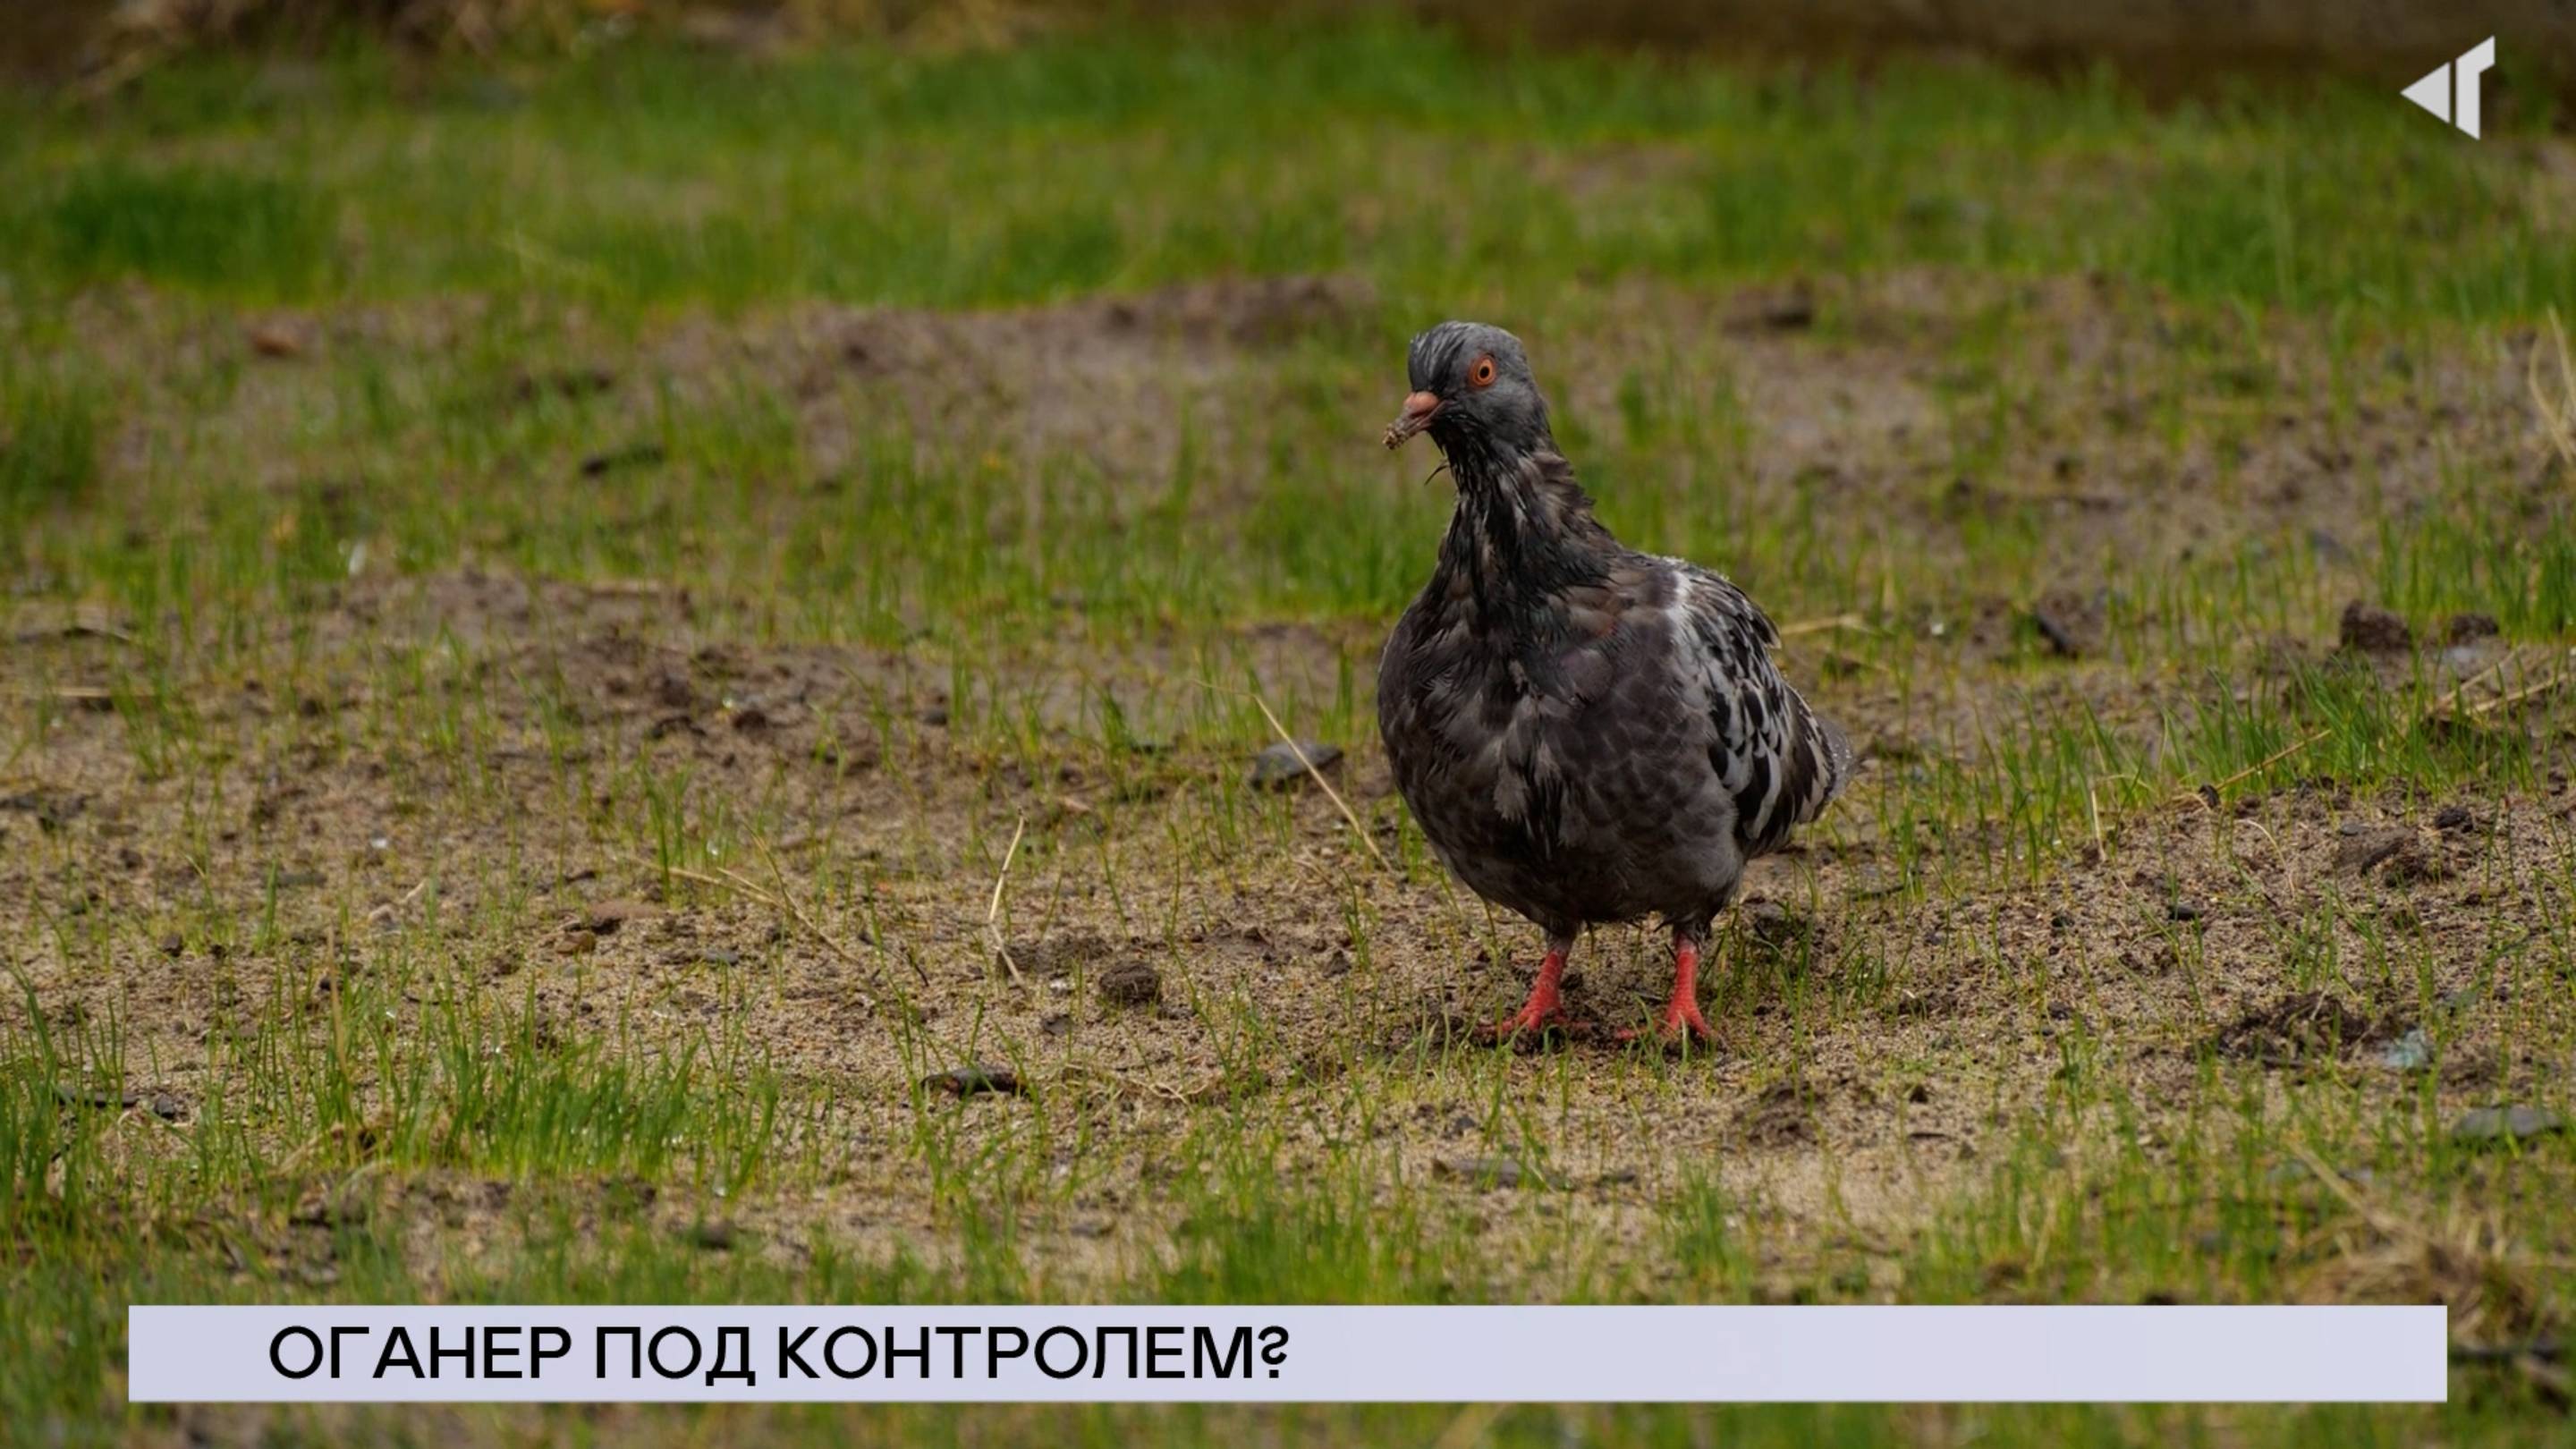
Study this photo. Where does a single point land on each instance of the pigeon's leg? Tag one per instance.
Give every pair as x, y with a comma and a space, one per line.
1546, 1004
1681, 1019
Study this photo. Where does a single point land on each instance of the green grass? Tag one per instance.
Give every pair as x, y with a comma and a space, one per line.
565, 390
1115, 161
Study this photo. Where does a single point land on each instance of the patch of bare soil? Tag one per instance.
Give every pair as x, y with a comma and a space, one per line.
1115, 379
1874, 1049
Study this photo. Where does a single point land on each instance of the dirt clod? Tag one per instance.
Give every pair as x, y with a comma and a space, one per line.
1131, 983
607, 917
2369, 629
2413, 865
2299, 1027
975, 1077
2068, 622
2358, 853
1779, 1117
1788, 309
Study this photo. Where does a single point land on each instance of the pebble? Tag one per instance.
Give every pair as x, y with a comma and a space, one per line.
975, 1077
2503, 1124
607, 916
1490, 1172
2408, 1053
1278, 768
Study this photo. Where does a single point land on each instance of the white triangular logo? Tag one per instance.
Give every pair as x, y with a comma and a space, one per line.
2433, 92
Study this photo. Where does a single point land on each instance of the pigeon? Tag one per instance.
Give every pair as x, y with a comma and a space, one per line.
1586, 734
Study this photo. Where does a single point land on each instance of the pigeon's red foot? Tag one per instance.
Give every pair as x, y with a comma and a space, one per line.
1681, 1020
1545, 1009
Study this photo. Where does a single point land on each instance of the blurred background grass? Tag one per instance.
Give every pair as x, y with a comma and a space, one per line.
2160, 44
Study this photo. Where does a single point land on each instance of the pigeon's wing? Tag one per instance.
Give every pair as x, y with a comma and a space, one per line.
1780, 760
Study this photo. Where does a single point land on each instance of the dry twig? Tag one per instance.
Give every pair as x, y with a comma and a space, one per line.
993, 912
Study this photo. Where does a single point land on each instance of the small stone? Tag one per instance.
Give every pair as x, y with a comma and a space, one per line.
2369, 629
2455, 820
968, 1080
2411, 1052
719, 956
2182, 911
2290, 1173
606, 917
167, 1107
172, 944
2506, 1124
1131, 983
576, 943
1489, 1172
1279, 768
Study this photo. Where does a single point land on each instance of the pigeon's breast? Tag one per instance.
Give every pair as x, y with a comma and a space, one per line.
1569, 782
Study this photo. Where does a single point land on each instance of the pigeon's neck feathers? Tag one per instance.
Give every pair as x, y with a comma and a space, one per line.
1524, 530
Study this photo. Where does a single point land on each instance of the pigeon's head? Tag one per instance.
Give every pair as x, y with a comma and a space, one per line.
1472, 390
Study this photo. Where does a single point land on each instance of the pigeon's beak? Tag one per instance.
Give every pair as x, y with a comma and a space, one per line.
1418, 412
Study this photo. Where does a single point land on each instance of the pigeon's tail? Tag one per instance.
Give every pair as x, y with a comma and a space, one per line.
1820, 745
1829, 741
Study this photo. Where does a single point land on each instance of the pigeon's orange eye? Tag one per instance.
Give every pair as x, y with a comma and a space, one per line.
1482, 374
